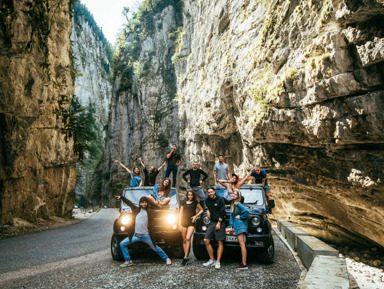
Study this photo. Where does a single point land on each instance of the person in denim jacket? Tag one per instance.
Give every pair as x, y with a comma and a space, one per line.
238, 224
160, 195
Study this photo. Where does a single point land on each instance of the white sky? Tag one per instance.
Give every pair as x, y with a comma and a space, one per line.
107, 15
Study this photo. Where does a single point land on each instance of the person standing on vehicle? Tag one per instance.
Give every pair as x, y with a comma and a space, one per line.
238, 224
174, 160
160, 195
260, 177
216, 228
151, 174
136, 179
188, 218
221, 171
234, 184
142, 225
195, 180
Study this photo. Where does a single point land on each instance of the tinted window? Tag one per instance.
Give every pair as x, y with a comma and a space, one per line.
135, 195
251, 195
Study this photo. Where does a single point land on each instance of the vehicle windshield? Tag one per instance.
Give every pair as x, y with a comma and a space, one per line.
252, 195
134, 196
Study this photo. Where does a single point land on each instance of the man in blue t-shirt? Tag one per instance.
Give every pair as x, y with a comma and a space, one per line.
260, 177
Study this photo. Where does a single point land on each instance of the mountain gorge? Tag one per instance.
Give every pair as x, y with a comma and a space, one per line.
295, 86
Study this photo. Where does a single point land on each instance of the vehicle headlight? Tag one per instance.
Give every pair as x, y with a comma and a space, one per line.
255, 221
206, 220
171, 219
124, 220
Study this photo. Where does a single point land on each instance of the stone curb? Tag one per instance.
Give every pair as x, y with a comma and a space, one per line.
325, 268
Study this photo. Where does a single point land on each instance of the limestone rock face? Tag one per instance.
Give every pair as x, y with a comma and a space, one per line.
37, 165
92, 61
143, 117
297, 87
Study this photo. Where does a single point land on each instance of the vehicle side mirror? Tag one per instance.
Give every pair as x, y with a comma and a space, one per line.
271, 203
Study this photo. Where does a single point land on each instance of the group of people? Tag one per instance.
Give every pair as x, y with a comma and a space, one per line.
192, 206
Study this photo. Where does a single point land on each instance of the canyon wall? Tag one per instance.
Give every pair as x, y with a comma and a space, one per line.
92, 61
297, 87
37, 163
143, 118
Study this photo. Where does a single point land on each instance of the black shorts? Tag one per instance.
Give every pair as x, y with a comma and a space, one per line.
187, 223
213, 234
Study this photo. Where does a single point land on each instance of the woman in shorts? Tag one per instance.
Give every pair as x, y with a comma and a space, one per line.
188, 218
238, 225
160, 194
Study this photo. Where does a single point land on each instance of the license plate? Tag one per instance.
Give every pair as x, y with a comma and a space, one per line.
231, 239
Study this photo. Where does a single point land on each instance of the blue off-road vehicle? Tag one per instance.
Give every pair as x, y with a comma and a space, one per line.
259, 237
165, 229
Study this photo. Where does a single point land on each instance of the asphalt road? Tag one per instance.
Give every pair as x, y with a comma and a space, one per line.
78, 256
88, 236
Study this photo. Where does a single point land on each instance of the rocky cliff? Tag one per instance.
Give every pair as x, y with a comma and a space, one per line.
143, 117
295, 86
37, 164
92, 61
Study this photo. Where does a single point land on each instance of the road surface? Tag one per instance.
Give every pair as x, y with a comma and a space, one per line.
78, 256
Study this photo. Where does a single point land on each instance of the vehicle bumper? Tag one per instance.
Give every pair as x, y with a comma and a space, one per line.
252, 240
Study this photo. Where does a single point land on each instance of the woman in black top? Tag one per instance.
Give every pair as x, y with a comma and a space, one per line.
151, 174
188, 218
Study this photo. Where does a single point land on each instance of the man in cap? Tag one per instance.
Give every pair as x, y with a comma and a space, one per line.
142, 219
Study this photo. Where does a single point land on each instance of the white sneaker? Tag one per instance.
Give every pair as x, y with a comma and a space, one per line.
127, 263
210, 263
168, 261
217, 265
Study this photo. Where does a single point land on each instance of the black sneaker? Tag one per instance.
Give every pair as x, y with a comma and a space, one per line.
184, 262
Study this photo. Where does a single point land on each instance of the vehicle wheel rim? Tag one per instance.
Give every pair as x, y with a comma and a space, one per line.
270, 250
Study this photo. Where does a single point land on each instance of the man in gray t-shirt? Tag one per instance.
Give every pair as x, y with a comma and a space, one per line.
142, 234
221, 170
141, 224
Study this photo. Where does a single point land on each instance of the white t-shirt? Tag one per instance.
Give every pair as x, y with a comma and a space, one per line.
141, 224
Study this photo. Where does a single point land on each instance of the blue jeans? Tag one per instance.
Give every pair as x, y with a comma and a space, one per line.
199, 192
140, 238
174, 171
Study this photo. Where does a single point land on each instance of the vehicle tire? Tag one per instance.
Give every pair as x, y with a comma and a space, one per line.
267, 255
199, 251
177, 251
117, 255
